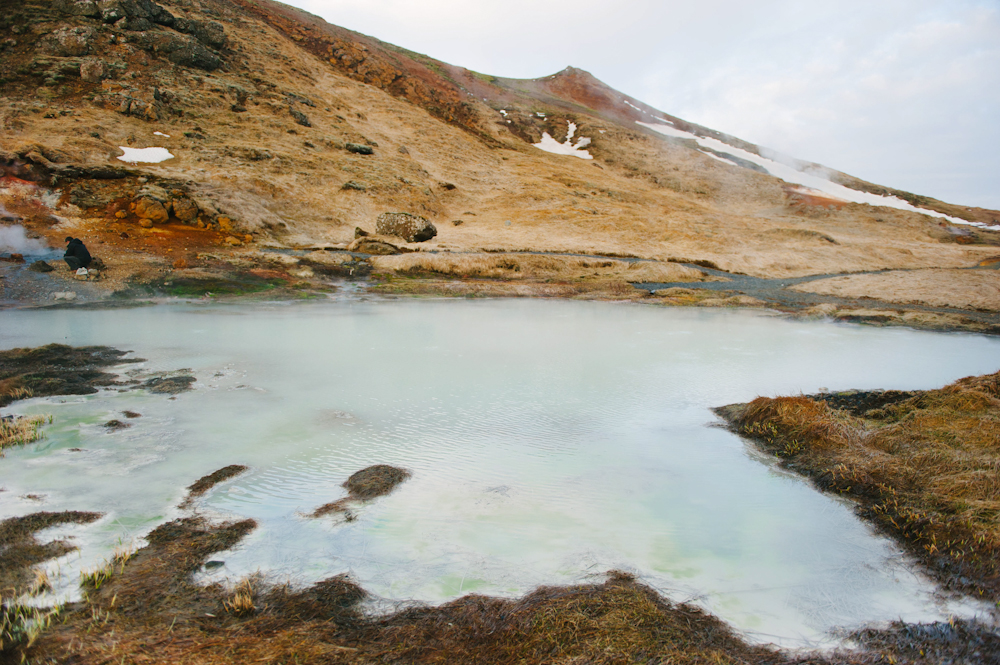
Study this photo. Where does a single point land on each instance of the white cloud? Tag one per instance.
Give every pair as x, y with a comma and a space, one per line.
902, 93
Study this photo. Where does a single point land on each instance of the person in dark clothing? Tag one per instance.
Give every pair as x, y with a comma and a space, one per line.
76, 255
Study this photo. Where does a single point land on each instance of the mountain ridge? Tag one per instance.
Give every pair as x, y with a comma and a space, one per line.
285, 131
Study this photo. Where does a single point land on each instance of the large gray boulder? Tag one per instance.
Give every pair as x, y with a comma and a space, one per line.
411, 228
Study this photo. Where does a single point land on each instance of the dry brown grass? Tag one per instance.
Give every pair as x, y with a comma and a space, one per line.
20, 431
19, 550
504, 266
146, 609
925, 469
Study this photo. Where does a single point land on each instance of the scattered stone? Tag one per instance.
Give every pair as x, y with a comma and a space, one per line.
457, 222
448, 186
373, 246
411, 228
359, 232
97, 264
359, 149
64, 295
92, 71
13, 258
181, 264
185, 210
230, 240
299, 117
69, 41
357, 186
115, 425
40, 266
131, 414
402, 150
86, 8
214, 565
148, 208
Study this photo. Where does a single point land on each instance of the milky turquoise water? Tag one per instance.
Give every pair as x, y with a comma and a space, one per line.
549, 442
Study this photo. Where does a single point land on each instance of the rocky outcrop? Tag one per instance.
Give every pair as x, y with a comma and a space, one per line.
359, 149
69, 41
411, 228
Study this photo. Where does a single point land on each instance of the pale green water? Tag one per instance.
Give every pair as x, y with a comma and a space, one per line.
549, 442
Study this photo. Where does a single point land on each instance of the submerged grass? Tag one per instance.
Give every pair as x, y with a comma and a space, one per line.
924, 467
364, 485
19, 550
205, 483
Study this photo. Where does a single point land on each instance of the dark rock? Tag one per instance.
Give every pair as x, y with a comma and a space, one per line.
373, 246
97, 264
185, 209
299, 117
196, 56
171, 385
360, 149
411, 228
92, 71
69, 41
40, 266
209, 33
131, 414
457, 222
359, 232
402, 150
300, 99
78, 7
448, 186
115, 425
134, 24
83, 196
350, 184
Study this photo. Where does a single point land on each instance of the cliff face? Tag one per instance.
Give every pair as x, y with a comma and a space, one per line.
280, 129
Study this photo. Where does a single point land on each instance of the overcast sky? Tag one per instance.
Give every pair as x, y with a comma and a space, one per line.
901, 93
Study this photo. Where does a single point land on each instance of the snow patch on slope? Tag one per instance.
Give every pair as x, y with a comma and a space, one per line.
549, 144
144, 155
813, 182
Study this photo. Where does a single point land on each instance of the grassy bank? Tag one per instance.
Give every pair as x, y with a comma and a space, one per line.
922, 466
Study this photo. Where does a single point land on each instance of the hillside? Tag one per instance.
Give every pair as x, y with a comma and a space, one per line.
266, 111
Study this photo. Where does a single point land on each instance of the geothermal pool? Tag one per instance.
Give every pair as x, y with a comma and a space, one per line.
549, 442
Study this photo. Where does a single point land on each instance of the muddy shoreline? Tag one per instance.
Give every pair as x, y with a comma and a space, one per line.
147, 598
717, 289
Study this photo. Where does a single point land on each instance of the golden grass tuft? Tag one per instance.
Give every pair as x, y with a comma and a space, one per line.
21, 431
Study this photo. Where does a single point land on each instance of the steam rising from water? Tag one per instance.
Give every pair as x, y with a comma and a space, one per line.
13, 239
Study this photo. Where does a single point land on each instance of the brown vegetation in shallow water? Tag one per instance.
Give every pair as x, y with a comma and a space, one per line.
19, 550
923, 467
205, 483
56, 369
364, 485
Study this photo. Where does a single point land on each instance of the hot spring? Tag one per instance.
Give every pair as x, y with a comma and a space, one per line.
549, 442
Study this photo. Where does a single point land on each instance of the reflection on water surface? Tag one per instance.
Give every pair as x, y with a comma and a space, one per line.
549, 442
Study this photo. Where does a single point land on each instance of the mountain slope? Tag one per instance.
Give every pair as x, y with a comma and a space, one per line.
262, 108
